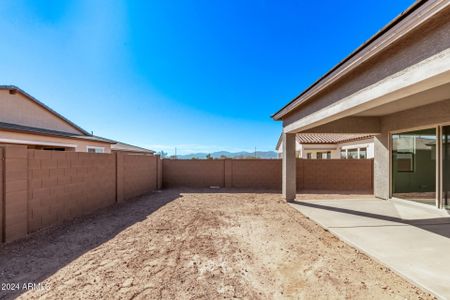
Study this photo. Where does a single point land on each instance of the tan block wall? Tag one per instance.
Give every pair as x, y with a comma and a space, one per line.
1, 194
15, 192
256, 173
63, 185
48, 187
325, 175
140, 174
193, 173
335, 175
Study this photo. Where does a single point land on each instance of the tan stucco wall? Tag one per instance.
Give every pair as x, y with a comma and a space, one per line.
430, 39
430, 114
18, 109
9, 137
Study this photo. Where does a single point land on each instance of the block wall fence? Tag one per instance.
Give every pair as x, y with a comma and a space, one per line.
39, 188
312, 174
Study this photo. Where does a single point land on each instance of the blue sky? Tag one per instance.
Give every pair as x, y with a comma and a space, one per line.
201, 75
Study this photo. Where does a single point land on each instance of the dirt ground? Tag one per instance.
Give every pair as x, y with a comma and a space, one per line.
196, 245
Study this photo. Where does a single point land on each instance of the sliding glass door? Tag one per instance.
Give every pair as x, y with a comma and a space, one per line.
414, 166
446, 166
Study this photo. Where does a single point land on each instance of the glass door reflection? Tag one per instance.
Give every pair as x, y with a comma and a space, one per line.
414, 166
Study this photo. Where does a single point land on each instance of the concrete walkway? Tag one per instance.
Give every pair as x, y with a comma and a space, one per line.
411, 240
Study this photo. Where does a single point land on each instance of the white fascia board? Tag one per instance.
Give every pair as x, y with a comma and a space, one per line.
427, 74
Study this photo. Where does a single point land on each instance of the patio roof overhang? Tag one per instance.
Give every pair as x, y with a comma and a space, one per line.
408, 58
421, 84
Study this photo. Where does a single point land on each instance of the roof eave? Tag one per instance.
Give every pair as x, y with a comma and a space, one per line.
297, 101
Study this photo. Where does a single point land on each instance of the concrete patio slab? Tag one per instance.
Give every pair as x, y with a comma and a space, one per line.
412, 240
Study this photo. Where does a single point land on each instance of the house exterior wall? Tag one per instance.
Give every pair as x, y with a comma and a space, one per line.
303, 149
314, 148
10, 137
426, 116
368, 144
18, 109
430, 39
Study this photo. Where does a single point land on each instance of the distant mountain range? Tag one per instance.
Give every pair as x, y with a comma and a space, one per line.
226, 154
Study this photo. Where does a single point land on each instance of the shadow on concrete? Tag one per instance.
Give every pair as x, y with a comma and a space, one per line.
41, 254
440, 226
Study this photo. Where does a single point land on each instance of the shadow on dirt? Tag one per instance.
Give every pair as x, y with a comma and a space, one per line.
41, 254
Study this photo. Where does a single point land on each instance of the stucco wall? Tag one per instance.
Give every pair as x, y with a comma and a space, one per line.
431, 114
18, 109
430, 39
79, 145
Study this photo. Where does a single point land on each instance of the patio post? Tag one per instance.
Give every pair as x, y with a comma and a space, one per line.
289, 166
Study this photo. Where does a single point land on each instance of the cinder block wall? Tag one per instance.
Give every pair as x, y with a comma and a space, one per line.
193, 173
335, 175
325, 175
140, 174
42, 188
63, 185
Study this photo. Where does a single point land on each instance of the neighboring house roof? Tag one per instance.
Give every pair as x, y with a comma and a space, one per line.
316, 138
31, 98
42, 131
361, 53
130, 148
322, 138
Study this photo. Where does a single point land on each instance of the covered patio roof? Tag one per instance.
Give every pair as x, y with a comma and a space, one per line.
404, 66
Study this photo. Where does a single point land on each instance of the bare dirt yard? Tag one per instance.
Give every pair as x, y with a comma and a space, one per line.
196, 244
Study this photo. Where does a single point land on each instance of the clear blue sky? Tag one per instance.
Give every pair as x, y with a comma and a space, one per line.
200, 75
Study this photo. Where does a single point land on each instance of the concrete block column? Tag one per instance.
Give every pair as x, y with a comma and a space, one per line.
228, 173
159, 171
15, 193
289, 167
119, 176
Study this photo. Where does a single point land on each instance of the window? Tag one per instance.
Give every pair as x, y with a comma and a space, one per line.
92, 149
343, 154
362, 153
405, 162
309, 155
329, 155
352, 153
319, 155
